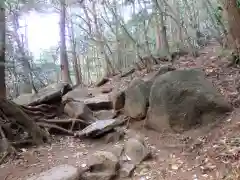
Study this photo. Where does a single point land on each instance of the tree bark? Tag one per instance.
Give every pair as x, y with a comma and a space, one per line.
2, 52
76, 66
233, 16
164, 40
24, 58
158, 37
63, 49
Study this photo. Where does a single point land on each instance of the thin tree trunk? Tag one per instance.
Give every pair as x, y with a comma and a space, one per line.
28, 79
63, 49
164, 40
213, 21
2, 52
158, 37
77, 71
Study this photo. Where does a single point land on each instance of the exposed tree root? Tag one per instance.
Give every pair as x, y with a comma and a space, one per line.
19, 117
41, 111
6, 148
27, 125
54, 126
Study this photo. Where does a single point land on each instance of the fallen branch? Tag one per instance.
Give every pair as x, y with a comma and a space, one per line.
63, 121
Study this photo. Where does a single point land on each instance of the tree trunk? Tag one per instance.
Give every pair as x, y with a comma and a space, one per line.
76, 66
24, 58
2, 52
158, 37
233, 16
164, 40
63, 49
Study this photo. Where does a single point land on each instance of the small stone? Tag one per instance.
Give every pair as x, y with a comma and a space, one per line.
83, 165
136, 151
174, 167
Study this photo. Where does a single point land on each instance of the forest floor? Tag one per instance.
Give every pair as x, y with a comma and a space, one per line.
208, 152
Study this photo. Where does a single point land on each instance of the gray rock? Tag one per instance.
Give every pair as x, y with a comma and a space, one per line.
78, 94
182, 99
62, 172
126, 169
136, 151
53, 92
118, 100
103, 161
99, 128
104, 114
161, 70
114, 137
136, 99
97, 176
79, 110
99, 102
102, 165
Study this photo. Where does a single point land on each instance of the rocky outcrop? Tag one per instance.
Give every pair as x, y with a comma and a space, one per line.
183, 98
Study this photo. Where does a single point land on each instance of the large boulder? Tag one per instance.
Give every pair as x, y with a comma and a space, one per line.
50, 94
136, 98
183, 98
61, 172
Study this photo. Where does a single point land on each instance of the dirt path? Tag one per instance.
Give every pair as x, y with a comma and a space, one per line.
198, 154
175, 156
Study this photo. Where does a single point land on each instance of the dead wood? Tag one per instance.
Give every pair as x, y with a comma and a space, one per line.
64, 121
102, 81
127, 72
